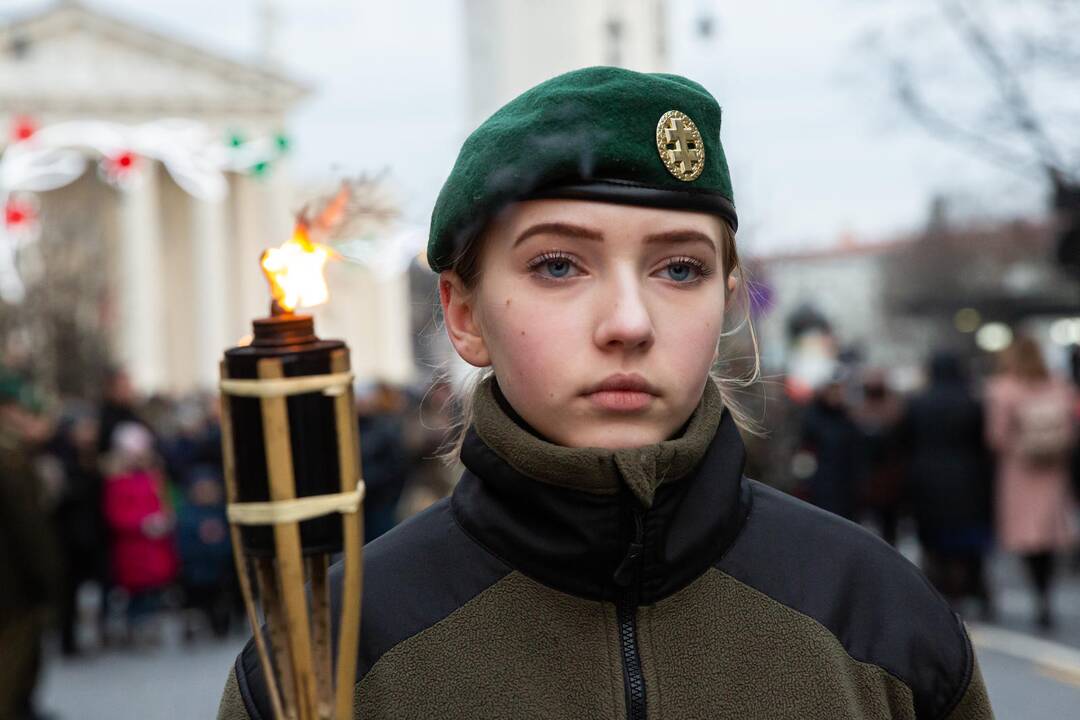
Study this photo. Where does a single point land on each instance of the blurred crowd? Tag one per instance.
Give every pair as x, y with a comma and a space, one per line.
970, 463
112, 515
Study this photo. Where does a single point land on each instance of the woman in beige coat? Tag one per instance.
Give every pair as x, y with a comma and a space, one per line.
1031, 429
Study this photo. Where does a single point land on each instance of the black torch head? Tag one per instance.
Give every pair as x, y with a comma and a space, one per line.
313, 435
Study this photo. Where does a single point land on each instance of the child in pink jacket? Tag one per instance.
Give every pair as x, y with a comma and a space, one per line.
142, 550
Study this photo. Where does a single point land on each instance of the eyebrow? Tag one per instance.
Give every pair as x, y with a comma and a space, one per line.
681, 236
564, 229
584, 233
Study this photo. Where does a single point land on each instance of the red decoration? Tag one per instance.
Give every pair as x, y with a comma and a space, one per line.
120, 168
18, 214
23, 128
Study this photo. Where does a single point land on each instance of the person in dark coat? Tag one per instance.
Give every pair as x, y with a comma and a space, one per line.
206, 563
117, 406
383, 459
880, 480
77, 517
30, 563
831, 437
949, 482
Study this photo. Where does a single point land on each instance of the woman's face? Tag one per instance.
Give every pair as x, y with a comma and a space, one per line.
575, 293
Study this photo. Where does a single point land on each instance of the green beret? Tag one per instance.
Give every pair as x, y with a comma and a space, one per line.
599, 133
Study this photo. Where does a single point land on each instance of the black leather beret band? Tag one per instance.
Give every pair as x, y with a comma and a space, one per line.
628, 193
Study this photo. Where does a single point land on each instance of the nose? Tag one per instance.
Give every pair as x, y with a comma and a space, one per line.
623, 315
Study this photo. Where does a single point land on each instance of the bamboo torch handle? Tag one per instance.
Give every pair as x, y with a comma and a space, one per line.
352, 584
279, 467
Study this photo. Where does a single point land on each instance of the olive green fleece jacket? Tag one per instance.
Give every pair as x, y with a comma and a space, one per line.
655, 582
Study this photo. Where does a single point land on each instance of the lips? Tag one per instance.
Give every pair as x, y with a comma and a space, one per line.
622, 393
625, 382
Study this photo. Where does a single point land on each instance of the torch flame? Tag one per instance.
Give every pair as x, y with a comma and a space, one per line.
295, 271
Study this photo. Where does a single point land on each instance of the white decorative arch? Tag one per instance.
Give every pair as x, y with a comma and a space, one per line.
195, 157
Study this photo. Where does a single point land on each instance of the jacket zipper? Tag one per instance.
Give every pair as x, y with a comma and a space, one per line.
626, 577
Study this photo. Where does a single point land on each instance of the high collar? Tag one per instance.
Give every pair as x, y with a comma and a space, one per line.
600, 523
596, 470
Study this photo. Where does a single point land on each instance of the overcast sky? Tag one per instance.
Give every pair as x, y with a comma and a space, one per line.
817, 149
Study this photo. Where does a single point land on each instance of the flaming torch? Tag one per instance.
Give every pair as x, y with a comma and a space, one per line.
291, 450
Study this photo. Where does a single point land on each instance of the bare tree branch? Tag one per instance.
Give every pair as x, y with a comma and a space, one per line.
1013, 95
923, 113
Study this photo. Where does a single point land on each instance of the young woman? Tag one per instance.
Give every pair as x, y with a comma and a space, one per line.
603, 556
1030, 426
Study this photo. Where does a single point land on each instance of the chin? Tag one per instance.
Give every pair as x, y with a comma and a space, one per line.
616, 438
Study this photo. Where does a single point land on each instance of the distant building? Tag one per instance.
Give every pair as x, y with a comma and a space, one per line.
898, 301
183, 272
182, 275
844, 285
512, 45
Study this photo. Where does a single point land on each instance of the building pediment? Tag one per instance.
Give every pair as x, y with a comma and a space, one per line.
72, 59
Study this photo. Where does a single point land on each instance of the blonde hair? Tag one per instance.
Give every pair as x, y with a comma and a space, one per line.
467, 266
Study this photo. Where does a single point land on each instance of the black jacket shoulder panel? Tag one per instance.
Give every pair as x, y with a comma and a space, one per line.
247, 668
876, 603
414, 576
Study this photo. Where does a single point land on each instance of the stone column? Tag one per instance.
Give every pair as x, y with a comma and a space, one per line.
209, 236
141, 342
252, 232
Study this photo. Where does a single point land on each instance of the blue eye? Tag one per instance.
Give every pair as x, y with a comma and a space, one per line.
553, 266
679, 271
685, 271
558, 268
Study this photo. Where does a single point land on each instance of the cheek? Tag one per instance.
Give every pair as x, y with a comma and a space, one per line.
690, 335
531, 339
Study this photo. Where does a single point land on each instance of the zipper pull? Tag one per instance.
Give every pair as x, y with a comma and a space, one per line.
624, 574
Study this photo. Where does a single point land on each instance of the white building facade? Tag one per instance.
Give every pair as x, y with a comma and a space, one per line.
183, 276
845, 285
512, 45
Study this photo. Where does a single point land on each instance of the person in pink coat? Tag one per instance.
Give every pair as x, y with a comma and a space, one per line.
1031, 428
142, 551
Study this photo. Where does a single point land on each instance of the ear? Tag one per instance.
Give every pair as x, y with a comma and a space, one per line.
731, 283
459, 315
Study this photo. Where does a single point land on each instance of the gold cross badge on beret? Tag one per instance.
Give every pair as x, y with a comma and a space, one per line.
679, 143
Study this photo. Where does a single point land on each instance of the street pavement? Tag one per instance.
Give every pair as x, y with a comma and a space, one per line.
1029, 675
170, 682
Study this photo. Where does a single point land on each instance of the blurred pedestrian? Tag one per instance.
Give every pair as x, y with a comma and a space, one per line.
117, 406
30, 569
382, 449
206, 565
881, 463
831, 439
1030, 427
194, 448
77, 517
949, 482
142, 553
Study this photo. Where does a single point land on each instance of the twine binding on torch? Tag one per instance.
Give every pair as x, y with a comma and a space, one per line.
331, 385
295, 510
